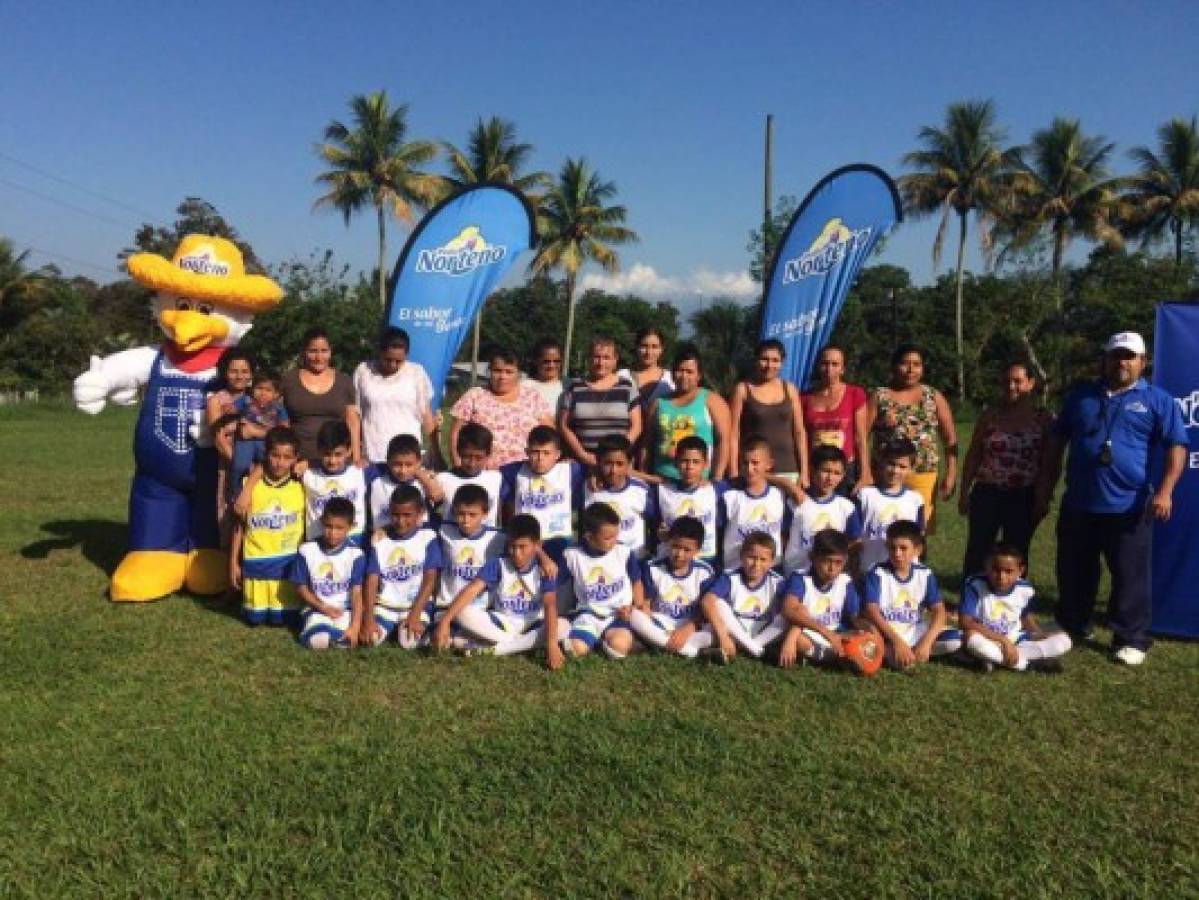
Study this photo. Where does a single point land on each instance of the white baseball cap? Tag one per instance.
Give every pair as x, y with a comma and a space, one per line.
1125, 340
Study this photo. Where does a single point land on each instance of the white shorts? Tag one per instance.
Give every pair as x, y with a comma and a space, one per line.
387, 619
318, 623
589, 628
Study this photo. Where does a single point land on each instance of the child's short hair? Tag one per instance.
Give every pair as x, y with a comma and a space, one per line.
338, 508
473, 436
403, 445
540, 435
614, 443
596, 516
524, 526
687, 527
472, 495
829, 542
691, 442
760, 539
827, 453
755, 442
282, 436
905, 528
407, 495
1003, 548
897, 449
264, 376
332, 435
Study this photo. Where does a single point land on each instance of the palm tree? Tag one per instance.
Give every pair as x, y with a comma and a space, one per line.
1164, 194
959, 169
492, 154
1061, 182
370, 164
16, 282
574, 226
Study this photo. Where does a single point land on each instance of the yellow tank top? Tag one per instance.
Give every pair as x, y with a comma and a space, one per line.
274, 526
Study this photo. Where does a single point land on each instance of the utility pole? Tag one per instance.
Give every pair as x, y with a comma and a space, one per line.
767, 205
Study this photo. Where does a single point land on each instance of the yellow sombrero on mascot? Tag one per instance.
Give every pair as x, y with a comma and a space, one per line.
205, 303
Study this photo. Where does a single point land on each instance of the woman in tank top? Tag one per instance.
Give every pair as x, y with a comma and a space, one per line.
688, 410
768, 405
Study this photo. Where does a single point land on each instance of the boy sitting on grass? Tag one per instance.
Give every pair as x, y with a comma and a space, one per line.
742, 605
604, 579
473, 448
822, 508
328, 576
401, 570
520, 611
902, 603
998, 620
891, 500
820, 602
614, 484
673, 587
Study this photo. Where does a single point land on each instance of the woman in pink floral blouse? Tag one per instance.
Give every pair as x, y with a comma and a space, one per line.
506, 407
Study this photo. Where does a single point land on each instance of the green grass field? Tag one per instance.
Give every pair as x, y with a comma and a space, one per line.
166, 750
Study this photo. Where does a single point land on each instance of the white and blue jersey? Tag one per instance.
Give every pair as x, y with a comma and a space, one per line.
702, 502
401, 561
879, 509
674, 599
463, 557
491, 480
320, 487
1001, 613
814, 515
380, 487
516, 597
754, 604
833, 605
331, 575
746, 513
601, 583
550, 498
902, 602
635, 503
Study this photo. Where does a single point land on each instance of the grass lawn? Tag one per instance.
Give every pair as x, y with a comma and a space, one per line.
167, 750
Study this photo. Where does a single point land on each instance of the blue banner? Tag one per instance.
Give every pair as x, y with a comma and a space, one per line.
1175, 543
831, 235
451, 263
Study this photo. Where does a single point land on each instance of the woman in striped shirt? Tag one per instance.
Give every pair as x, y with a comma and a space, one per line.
601, 404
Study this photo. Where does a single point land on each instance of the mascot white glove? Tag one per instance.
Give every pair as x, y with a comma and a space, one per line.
92, 387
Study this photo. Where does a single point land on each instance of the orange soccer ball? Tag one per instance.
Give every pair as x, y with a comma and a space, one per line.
863, 651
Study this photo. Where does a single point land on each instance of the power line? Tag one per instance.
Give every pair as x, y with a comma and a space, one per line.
107, 270
77, 186
124, 226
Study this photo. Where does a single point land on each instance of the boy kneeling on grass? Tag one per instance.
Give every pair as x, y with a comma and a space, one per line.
897, 595
673, 588
401, 571
742, 605
998, 621
820, 603
517, 611
328, 576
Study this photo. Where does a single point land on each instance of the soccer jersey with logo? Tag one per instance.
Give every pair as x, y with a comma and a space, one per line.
320, 487
549, 498
745, 513
330, 575
463, 557
380, 491
751, 602
274, 529
833, 605
902, 603
491, 480
513, 593
1000, 613
401, 561
879, 509
633, 503
602, 582
676, 596
835, 512
702, 502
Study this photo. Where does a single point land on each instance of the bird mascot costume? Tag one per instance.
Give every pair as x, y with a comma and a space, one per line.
204, 302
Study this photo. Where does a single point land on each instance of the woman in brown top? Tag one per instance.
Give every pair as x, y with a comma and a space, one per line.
316, 393
769, 405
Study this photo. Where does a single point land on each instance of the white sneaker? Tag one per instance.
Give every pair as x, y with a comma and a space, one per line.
1129, 656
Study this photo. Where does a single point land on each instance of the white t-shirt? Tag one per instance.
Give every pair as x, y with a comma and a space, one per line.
879, 509
491, 480
702, 502
1002, 613
902, 603
331, 576
463, 557
401, 561
676, 596
379, 491
755, 603
601, 583
548, 498
634, 503
833, 605
745, 513
811, 516
551, 391
391, 405
320, 487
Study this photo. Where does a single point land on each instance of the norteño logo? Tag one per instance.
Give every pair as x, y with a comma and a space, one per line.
460, 255
834, 243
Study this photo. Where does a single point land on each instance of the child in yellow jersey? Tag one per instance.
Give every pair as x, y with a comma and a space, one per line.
265, 543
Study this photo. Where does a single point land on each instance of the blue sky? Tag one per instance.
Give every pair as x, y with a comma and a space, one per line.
148, 103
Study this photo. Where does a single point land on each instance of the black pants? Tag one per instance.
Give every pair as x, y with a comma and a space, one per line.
996, 511
1123, 540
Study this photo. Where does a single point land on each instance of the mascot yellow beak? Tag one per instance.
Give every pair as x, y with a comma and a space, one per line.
193, 331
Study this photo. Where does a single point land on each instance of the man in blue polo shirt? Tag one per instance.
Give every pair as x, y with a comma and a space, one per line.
1112, 427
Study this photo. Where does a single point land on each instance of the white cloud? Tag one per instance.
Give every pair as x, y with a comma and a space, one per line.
644, 281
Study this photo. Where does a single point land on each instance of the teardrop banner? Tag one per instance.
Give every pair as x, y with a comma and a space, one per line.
451, 263
830, 236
